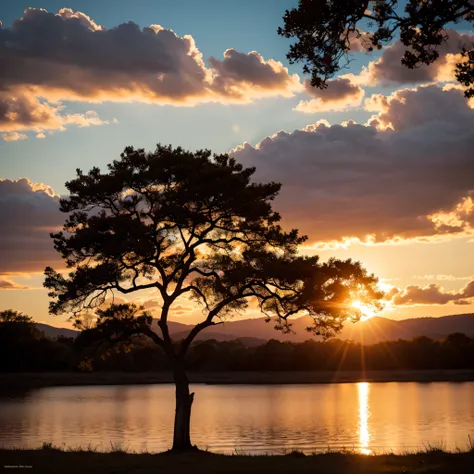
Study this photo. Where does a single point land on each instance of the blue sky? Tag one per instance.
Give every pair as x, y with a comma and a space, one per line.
337, 181
216, 26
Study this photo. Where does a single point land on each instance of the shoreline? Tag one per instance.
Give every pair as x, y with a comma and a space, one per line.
56, 379
54, 461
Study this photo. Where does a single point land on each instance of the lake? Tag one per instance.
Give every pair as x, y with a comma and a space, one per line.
368, 417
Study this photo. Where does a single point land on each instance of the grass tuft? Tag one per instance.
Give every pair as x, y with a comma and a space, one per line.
295, 453
434, 448
50, 447
115, 448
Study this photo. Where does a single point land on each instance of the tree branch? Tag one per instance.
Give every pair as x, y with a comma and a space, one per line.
135, 287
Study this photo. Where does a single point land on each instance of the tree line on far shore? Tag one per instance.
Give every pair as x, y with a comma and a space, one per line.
24, 348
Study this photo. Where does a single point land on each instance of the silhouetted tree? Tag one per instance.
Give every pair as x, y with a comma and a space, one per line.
11, 316
22, 345
326, 29
17, 327
457, 348
190, 224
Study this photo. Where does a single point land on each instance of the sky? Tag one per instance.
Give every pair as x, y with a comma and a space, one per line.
377, 167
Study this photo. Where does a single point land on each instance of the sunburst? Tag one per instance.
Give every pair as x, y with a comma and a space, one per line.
366, 311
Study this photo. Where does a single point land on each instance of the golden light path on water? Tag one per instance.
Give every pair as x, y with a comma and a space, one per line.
363, 389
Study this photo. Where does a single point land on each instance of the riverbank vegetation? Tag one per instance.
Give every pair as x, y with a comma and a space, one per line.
25, 349
52, 460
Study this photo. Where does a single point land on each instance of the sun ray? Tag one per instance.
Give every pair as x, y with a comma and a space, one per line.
366, 311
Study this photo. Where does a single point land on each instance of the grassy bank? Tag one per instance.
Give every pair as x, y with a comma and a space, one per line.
54, 461
51, 379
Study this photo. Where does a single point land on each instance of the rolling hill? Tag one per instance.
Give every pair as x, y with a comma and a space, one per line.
369, 332
53, 332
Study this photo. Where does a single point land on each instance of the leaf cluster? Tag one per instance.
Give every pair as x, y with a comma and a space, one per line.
326, 31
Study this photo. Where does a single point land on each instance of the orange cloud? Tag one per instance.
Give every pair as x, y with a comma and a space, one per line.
14, 136
410, 108
432, 294
388, 69
460, 217
374, 184
441, 277
10, 285
22, 111
340, 94
246, 76
80, 60
83, 120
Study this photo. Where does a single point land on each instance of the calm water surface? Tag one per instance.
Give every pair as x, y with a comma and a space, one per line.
371, 417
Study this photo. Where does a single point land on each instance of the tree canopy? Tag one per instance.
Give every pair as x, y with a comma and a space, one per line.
326, 31
183, 223
16, 326
10, 316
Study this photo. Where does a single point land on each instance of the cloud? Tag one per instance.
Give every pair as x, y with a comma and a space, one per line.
432, 294
180, 307
84, 120
340, 94
149, 304
22, 111
243, 75
410, 108
78, 59
341, 184
358, 181
155, 304
115, 299
83, 19
14, 136
441, 277
359, 41
388, 69
28, 212
390, 293
10, 285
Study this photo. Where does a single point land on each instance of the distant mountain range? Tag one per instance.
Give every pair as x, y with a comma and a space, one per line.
54, 332
256, 331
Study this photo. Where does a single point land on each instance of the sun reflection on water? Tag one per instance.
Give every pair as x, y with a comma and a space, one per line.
364, 415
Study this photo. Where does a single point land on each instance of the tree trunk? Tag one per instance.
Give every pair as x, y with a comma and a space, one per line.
182, 418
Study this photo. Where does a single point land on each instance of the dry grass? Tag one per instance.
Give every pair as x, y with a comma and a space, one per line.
54, 460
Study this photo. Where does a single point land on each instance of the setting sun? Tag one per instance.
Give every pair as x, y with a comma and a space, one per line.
367, 311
